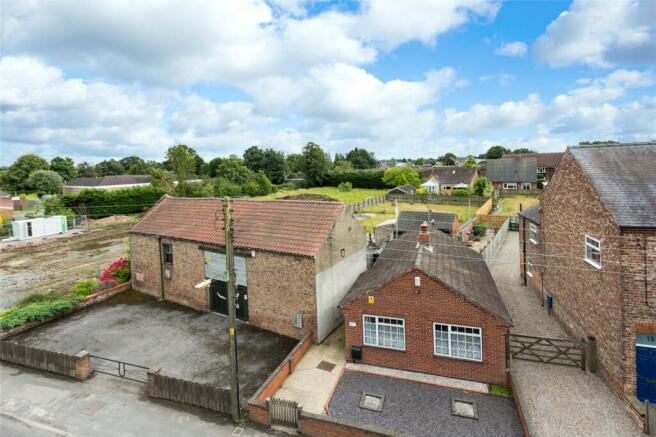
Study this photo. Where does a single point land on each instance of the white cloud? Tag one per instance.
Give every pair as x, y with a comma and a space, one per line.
604, 34
516, 49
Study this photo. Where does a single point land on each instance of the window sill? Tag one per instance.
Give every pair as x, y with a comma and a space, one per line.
592, 263
529, 274
471, 360
385, 347
533, 241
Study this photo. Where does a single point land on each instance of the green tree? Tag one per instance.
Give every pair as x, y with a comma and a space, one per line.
343, 166
405, 175
295, 162
64, 167
16, 178
338, 158
132, 161
496, 152
234, 170
84, 169
55, 206
200, 168
275, 166
361, 158
109, 167
161, 179
254, 158
223, 187
449, 159
259, 185
45, 181
316, 164
182, 162
482, 187
470, 162
419, 161
523, 150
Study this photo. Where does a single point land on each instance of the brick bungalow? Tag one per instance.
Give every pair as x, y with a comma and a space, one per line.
443, 180
511, 173
294, 260
546, 162
446, 222
428, 305
598, 225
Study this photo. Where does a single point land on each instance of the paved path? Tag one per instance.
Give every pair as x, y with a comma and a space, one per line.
39, 404
559, 401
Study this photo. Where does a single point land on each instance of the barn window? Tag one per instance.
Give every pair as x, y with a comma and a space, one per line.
533, 233
384, 332
529, 267
457, 341
593, 251
167, 249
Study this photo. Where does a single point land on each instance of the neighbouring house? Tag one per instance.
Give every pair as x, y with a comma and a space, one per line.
294, 260
384, 231
402, 190
443, 180
446, 222
117, 182
511, 173
598, 225
429, 305
6, 208
531, 258
546, 162
38, 227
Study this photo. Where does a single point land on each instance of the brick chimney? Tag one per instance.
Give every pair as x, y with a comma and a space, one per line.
424, 236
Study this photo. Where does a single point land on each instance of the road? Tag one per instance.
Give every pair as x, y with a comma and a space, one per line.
40, 404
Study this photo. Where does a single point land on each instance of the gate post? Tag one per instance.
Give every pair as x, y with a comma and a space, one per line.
82, 365
507, 340
152, 388
591, 349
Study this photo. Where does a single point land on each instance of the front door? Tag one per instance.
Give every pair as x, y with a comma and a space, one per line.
219, 299
646, 367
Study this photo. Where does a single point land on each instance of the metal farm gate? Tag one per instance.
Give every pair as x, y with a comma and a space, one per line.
283, 414
546, 350
107, 366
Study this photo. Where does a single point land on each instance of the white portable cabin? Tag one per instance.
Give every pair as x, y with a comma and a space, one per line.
39, 227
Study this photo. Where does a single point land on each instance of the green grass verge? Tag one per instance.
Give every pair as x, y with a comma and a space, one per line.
37, 307
510, 205
501, 390
355, 195
385, 211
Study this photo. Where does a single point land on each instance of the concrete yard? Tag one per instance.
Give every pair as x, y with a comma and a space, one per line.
184, 343
421, 410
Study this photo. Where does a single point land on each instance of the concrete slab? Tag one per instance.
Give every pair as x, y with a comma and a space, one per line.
184, 343
311, 386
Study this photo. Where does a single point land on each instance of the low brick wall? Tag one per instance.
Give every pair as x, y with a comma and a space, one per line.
518, 398
315, 425
75, 366
188, 392
87, 301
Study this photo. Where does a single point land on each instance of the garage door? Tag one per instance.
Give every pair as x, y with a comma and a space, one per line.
646, 367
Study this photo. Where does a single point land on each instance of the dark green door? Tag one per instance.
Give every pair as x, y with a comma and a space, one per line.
219, 299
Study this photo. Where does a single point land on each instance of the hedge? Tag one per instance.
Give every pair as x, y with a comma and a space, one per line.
357, 178
102, 203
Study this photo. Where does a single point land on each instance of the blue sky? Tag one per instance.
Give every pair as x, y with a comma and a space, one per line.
97, 80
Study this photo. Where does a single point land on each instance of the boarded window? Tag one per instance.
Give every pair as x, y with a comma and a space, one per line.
215, 267
167, 251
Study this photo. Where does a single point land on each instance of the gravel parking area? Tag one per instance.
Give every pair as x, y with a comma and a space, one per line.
559, 401
422, 410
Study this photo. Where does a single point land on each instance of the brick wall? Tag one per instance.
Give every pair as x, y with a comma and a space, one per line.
434, 303
187, 270
589, 301
145, 264
533, 252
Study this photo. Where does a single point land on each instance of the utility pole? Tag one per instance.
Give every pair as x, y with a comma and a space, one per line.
232, 312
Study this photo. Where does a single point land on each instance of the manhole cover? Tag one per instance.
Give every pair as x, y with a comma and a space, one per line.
463, 409
372, 402
326, 365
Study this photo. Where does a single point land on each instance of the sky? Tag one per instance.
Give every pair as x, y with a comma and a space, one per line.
107, 79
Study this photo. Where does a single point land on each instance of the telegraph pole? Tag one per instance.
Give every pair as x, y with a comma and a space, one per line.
232, 312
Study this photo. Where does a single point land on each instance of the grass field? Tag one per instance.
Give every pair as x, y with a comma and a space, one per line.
510, 205
355, 195
385, 211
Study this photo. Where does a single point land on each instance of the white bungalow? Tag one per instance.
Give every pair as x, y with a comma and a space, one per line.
432, 185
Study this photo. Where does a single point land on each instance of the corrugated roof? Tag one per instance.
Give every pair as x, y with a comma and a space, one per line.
512, 170
624, 176
124, 179
532, 213
454, 175
286, 226
451, 262
547, 160
409, 221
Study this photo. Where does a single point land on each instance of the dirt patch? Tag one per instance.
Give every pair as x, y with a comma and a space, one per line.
111, 220
311, 197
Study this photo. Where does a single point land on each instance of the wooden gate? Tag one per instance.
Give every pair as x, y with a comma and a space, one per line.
650, 419
560, 351
283, 414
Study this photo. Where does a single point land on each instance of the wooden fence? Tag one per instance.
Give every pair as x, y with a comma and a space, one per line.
650, 419
39, 359
495, 244
561, 351
283, 413
438, 200
366, 203
187, 392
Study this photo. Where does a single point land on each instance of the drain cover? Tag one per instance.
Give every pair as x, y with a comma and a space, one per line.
326, 365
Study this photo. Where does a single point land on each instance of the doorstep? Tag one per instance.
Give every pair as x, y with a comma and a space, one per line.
443, 381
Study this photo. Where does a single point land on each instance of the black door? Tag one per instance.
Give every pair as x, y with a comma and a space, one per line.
219, 299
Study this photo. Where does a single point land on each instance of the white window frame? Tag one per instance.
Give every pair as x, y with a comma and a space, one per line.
525, 185
378, 322
594, 244
508, 185
542, 170
533, 233
529, 267
449, 331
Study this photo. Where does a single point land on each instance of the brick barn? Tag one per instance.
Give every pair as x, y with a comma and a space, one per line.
294, 260
597, 234
428, 305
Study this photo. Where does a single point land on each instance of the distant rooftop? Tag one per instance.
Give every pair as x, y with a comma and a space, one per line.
104, 181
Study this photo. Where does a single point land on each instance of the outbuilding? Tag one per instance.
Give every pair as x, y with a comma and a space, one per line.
39, 227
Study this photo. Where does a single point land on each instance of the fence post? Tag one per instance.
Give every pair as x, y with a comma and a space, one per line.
82, 365
152, 388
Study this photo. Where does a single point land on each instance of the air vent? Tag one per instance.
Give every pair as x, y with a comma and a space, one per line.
167, 273
297, 320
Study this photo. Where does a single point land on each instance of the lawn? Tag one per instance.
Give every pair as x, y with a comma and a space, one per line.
385, 211
355, 195
510, 205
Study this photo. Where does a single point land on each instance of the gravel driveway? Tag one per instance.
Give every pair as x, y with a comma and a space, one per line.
558, 400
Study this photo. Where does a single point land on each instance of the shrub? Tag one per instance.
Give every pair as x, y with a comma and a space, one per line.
479, 229
37, 307
85, 287
405, 175
55, 206
357, 178
102, 203
461, 192
223, 187
345, 186
118, 271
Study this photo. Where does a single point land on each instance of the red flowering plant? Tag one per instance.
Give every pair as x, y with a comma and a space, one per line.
118, 271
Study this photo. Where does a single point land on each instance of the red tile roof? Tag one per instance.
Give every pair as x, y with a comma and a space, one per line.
286, 226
